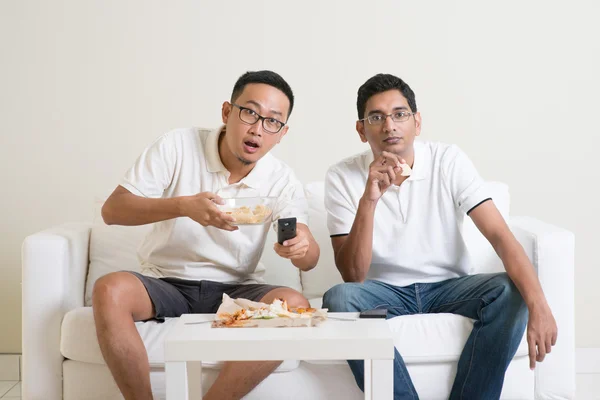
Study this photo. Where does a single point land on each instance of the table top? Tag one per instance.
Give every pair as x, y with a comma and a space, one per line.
342, 336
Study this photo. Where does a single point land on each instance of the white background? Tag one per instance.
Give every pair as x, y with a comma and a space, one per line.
86, 85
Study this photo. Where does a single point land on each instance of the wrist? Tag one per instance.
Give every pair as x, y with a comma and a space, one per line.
367, 204
181, 206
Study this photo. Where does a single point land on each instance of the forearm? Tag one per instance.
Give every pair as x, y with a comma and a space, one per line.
353, 259
520, 270
128, 209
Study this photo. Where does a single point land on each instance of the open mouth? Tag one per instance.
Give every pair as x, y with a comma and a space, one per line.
250, 146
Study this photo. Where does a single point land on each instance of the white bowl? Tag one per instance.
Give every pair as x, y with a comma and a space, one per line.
249, 210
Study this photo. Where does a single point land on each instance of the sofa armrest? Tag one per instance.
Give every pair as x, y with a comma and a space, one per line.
55, 265
552, 252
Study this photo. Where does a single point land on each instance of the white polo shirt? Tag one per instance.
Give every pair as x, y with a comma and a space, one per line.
185, 162
417, 234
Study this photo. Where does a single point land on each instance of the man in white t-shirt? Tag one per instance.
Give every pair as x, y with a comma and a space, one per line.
194, 254
395, 214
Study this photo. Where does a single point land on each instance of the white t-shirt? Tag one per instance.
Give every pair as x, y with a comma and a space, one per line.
417, 234
185, 162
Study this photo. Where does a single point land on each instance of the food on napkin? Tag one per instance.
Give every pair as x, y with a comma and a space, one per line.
246, 313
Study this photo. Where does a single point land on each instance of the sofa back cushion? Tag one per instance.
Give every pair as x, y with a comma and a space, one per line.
325, 275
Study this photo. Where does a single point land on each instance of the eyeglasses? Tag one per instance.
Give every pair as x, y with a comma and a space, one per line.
249, 116
379, 119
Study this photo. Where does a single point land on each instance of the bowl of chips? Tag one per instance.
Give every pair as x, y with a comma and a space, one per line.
249, 210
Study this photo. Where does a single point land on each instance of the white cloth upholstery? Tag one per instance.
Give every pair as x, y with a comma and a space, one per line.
61, 358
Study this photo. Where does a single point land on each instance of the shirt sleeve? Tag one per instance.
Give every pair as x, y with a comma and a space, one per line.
340, 208
153, 171
291, 203
468, 188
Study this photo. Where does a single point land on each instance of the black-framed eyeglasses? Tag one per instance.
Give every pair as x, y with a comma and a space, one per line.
379, 119
249, 116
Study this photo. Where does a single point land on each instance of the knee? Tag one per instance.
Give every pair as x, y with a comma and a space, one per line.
511, 299
109, 290
343, 297
293, 298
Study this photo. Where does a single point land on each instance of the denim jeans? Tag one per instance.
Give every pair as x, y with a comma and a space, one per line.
492, 300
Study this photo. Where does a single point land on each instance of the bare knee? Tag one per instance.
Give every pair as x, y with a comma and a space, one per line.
124, 292
291, 296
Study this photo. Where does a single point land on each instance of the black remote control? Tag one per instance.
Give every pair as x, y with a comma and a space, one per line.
286, 229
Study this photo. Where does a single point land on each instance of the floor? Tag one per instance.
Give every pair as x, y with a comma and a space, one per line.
10, 390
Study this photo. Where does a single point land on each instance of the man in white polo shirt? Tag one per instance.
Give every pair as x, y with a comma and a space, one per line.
395, 214
193, 254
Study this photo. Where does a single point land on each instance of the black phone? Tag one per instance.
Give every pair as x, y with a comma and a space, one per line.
377, 313
286, 229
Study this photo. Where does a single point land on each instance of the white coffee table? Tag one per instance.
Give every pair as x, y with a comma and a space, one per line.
193, 340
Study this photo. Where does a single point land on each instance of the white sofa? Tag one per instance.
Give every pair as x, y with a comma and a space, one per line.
62, 360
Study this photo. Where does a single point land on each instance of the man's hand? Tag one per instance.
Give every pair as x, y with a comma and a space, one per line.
295, 248
202, 209
541, 334
382, 174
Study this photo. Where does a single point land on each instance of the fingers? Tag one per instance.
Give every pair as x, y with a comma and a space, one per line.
218, 200
541, 348
532, 353
292, 252
224, 225
391, 158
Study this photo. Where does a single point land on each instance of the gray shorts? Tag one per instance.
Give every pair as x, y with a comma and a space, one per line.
172, 297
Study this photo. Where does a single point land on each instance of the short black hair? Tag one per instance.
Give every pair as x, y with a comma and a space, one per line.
382, 83
268, 78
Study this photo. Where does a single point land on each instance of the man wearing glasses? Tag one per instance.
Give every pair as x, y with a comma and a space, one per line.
194, 254
394, 214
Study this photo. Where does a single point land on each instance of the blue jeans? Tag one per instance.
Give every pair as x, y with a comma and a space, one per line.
492, 300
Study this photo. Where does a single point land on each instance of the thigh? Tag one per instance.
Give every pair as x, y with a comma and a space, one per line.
369, 295
168, 298
467, 295
211, 294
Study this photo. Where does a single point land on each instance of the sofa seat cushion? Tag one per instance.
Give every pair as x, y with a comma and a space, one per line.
78, 340
431, 338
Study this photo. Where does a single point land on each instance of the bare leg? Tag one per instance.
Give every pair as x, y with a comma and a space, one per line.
238, 378
119, 299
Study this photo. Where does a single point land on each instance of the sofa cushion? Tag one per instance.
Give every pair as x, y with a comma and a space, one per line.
317, 281
428, 338
421, 338
78, 340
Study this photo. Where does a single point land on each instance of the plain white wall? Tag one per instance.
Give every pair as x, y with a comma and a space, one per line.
86, 85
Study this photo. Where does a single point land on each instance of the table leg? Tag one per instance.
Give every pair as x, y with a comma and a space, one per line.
379, 379
176, 380
194, 379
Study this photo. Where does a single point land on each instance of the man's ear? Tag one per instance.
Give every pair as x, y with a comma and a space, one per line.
226, 111
282, 133
417, 123
360, 128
